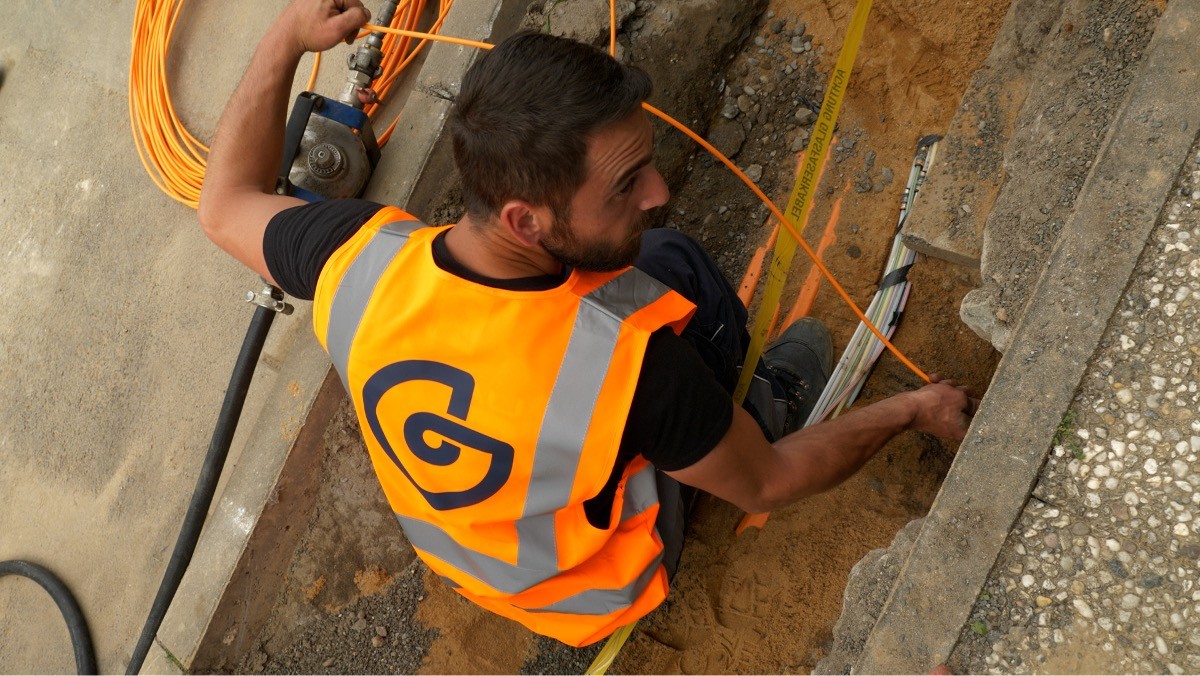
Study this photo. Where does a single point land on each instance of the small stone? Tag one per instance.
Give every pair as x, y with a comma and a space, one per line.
1151, 581
327, 663
1130, 601
1117, 568
797, 45
381, 631
377, 641
744, 103
1027, 580
804, 116
359, 625
748, 90
1079, 529
777, 26
754, 172
1151, 466
888, 175
1084, 609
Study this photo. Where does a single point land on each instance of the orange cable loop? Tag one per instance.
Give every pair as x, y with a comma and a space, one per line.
800, 240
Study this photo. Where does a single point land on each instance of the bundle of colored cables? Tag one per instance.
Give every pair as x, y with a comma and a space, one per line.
864, 349
172, 156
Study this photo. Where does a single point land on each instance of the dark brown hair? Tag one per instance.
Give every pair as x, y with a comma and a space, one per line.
521, 121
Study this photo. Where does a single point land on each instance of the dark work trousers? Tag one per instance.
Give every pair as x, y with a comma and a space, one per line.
718, 333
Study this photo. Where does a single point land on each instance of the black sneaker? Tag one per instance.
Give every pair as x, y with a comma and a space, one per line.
801, 360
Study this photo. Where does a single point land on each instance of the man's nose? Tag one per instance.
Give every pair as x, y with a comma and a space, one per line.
656, 193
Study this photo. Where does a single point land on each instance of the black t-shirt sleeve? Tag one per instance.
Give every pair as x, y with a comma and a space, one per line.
678, 415
298, 241
679, 411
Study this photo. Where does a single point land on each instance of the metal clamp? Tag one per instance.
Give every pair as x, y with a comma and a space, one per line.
271, 298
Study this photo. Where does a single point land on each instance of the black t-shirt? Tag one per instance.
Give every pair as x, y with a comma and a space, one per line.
679, 410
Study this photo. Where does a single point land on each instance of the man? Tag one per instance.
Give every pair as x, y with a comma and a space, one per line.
526, 397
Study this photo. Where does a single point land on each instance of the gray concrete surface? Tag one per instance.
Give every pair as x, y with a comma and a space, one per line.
1000, 461
947, 222
119, 324
1082, 78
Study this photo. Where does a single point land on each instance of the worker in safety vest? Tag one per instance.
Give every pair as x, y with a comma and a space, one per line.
536, 381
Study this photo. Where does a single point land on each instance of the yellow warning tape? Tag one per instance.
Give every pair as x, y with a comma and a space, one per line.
802, 194
785, 249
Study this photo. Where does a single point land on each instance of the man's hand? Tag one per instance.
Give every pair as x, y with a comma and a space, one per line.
318, 25
943, 408
238, 200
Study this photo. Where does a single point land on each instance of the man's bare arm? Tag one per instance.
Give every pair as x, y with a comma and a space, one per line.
238, 197
760, 477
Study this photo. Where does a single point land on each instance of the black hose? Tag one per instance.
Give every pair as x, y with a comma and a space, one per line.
206, 485
81, 640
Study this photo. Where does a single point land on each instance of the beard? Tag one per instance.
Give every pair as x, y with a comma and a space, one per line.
563, 244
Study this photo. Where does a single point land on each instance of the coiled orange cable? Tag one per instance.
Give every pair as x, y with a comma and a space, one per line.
174, 158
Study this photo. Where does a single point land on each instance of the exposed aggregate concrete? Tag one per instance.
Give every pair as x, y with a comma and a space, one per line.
1099, 573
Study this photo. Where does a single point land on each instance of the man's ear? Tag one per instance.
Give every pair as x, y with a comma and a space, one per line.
527, 224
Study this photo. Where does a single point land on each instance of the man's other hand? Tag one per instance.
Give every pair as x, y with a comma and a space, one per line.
318, 25
943, 408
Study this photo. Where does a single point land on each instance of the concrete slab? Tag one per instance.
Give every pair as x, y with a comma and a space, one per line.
1007, 445
1082, 80
947, 222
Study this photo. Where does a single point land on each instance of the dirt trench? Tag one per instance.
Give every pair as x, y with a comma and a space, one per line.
765, 601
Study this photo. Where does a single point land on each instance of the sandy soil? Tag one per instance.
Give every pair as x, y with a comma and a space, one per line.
765, 601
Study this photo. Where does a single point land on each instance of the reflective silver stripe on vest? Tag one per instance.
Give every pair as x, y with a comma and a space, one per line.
510, 579
499, 575
572, 403
641, 493
603, 601
356, 288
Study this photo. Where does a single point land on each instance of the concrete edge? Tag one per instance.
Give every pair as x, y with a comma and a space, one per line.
999, 462
936, 227
242, 551
288, 376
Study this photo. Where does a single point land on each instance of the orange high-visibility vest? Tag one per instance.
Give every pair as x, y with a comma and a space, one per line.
492, 415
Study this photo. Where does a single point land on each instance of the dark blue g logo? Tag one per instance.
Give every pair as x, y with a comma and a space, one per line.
462, 387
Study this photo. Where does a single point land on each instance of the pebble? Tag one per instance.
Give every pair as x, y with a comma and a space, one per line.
798, 45
805, 116
1084, 609
377, 641
754, 172
381, 631
327, 663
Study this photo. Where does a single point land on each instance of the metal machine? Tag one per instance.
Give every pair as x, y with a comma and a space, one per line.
329, 146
